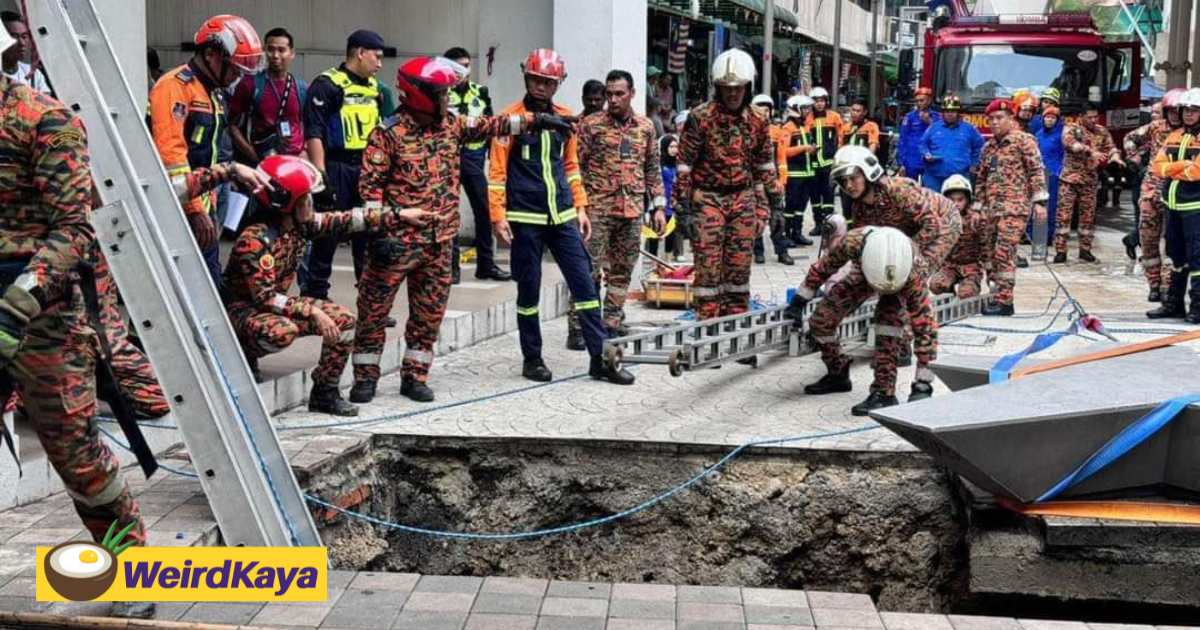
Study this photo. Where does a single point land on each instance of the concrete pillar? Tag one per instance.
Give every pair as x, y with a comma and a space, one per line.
1179, 44
125, 23
595, 37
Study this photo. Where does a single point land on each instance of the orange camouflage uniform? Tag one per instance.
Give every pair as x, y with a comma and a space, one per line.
1148, 140
1079, 182
963, 269
1010, 177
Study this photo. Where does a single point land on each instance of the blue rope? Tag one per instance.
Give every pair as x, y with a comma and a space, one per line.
173, 471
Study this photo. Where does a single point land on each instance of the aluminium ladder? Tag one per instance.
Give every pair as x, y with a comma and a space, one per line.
150, 249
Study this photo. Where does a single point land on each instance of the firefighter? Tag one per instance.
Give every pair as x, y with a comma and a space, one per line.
860, 132
412, 161
798, 165
824, 126
766, 107
885, 263
963, 271
727, 188
1177, 163
618, 155
188, 119
538, 202
1148, 140
1089, 147
45, 337
1026, 105
1010, 179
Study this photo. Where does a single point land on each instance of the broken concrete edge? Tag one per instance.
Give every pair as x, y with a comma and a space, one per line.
48, 620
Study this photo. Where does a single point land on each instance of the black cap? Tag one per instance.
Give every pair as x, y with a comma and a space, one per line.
365, 39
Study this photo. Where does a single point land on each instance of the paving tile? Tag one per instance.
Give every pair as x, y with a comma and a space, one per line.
650, 592
773, 597
1118, 626
385, 581
586, 590
574, 607
80, 609
972, 622
440, 602
20, 587
22, 604
429, 620
229, 613
853, 601
171, 611
694, 624
306, 616
570, 623
507, 603
1044, 624
761, 626
340, 579
847, 617
709, 594
913, 621
641, 624
641, 609
448, 584
514, 586
360, 617
721, 613
45, 537
371, 597
501, 622
779, 615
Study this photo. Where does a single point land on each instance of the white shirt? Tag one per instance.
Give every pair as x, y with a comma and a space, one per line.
22, 76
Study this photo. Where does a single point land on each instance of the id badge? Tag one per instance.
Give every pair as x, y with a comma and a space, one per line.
285, 128
626, 148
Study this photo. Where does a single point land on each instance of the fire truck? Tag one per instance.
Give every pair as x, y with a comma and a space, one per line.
984, 57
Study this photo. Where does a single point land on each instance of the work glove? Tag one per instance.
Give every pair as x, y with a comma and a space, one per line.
778, 221
17, 307
553, 122
795, 310
685, 222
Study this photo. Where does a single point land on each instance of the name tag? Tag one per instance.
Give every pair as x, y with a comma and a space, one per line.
285, 128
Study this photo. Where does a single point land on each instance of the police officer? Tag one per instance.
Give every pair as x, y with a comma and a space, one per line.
798, 158
537, 202
342, 109
471, 99
912, 161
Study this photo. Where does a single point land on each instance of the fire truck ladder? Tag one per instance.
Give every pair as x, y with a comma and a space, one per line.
167, 289
700, 345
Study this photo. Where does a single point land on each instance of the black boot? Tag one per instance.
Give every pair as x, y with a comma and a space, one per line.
1086, 256
800, 240
1155, 295
760, 259
1022, 262
1060, 258
1193, 317
1172, 302
832, 383
920, 391
875, 401
455, 271
998, 310
1130, 241
416, 390
327, 399
489, 271
603, 372
362, 392
254, 371
536, 370
786, 259
391, 322
749, 361
575, 339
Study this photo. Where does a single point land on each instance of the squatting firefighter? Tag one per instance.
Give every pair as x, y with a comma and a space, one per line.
45, 337
618, 155
1089, 147
412, 161
1149, 140
824, 125
263, 266
908, 153
798, 157
763, 104
1178, 164
1010, 179
188, 116
861, 132
538, 202
883, 261
962, 272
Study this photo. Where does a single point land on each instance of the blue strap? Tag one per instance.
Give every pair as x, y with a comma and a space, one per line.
999, 371
1125, 441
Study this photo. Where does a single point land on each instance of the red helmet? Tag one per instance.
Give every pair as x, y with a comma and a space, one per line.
544, 62
422, 80
924, 91
237, 39
291, 179
998, 105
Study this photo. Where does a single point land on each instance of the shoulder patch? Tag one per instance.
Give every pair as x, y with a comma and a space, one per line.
267, 262
376, 155
66, 137
179, 111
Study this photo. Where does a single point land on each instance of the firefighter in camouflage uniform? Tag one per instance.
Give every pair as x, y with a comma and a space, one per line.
962, 272
1010, 179
1147, 140
45, 202
1089, 147
412, 161
727, 188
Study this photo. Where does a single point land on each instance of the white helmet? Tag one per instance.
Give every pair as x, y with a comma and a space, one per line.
849, 159
733, 67
957, 182
799, 102
1190, 98
887, 259
819, 92
6, 40
762, 100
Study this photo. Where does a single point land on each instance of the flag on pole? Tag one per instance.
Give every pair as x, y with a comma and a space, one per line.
677, 59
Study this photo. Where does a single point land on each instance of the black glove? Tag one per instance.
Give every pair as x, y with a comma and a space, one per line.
553, 122
17, 307
326, 199
795, 310
685, 222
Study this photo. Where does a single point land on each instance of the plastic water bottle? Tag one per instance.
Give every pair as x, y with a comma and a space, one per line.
1041, 233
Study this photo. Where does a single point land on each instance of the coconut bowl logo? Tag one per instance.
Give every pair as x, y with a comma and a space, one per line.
81, 570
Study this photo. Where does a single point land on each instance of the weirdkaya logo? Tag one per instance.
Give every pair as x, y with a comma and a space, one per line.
85, 571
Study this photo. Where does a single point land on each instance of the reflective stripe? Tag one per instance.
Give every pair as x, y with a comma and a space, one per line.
538, 218
822, 339
26, 281
889, 331
706, 291
618, 291
109, 493
587, 305
279, 302
420, 356
736, 288
548, 178
365, 358
527, 311
1195, 274
1004, 275
1152, 261
767, 166
373, 204
924, 375
514, 124
497, 186
347, 335
358, 222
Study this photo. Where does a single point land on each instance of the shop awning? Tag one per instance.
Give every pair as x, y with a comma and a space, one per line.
744, 15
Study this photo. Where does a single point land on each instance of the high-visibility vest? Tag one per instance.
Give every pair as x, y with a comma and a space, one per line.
358, 116
1179, 195
470, 104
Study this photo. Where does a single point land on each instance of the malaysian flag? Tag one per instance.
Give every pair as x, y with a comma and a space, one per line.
677, 59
